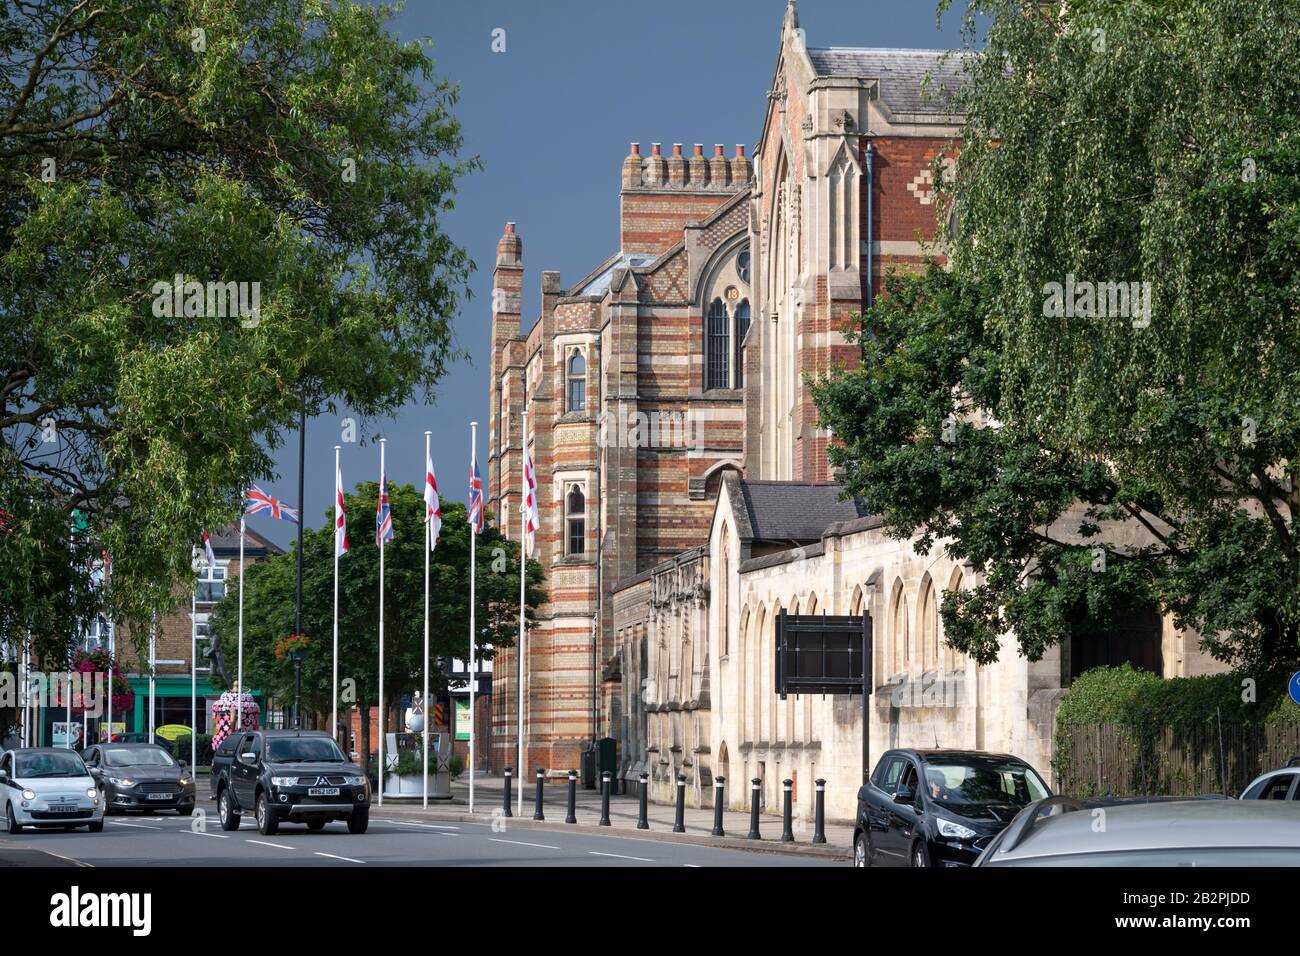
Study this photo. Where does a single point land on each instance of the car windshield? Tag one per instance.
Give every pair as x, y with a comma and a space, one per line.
137, 757
303, 750
36, 766
983, 784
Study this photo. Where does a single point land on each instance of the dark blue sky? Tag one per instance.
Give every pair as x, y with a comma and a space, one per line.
551, 119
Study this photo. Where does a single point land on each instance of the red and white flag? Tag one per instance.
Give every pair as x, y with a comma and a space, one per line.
432, 506
532, 521
340, 516
207, 551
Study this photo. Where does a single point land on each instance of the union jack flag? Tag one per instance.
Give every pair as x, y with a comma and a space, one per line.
258, 501
475, 498
383, 516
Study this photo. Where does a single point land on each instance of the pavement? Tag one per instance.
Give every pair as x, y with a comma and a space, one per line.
623, 816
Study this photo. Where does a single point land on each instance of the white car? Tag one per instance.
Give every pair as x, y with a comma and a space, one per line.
47, 787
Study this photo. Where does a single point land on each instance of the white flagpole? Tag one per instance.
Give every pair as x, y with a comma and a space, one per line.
239, 679
334, 685
153, 655
194, 676
424, 696
383, 477
523, 547
473, 534
67, 733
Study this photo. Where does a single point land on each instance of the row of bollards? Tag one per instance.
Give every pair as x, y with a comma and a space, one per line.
679, 821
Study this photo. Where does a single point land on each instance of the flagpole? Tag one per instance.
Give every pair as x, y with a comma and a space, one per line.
194, 677
239, 678
519, 655
473, 535
383, 483
67, 734
424, 695
334, 684
153, 655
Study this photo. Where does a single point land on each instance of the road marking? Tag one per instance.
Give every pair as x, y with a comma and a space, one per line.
693, 866
219, 836
279, 846
620, 856
347, 859
140, 826
540, 846
427, 826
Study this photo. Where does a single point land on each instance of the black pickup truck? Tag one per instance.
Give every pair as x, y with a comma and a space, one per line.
288, 776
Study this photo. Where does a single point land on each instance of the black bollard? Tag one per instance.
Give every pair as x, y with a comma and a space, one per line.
717, 806
572, 816
506, 794
604, 799
755, 786
642, 820
537, 805
819, 825
622, 782
679, 824
787, 833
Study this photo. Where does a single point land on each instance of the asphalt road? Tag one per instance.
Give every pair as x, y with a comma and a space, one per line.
170, 840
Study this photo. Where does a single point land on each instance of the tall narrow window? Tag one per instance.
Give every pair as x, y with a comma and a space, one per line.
576, 518
719, 350
742, 326
577, 375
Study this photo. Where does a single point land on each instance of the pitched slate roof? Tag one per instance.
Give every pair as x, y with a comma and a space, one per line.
902, 74
795, 510
225, 541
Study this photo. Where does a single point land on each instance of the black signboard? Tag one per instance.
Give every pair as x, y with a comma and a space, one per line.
825, 654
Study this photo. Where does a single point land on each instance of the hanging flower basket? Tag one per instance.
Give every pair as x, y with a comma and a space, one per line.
295, 645
99, 661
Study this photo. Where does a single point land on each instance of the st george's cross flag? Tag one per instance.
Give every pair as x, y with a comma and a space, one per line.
259, 501
432, 506
475, 498
207, 551
383, 517
340, 516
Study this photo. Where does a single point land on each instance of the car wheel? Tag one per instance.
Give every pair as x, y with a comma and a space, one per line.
226, 811
14, 827
920, 856
359, 820
267, 824
96, 827
860, 857
316, 824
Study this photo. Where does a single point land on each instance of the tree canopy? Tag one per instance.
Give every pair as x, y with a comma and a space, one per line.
1088, 462
155, 160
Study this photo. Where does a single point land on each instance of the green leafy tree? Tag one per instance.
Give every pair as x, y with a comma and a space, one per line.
1088, 466
293, 147
270, 591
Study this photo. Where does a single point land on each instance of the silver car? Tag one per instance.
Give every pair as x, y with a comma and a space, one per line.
1059, 831
1283, 784
44, 787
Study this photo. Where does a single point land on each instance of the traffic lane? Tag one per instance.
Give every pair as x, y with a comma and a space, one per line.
171, 841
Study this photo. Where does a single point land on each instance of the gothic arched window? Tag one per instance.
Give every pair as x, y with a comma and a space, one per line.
719, 346
742, 326
577, 381
575, 508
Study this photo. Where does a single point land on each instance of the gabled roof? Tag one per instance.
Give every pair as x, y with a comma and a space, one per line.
599, 283
902, 74
794, 511
225, 541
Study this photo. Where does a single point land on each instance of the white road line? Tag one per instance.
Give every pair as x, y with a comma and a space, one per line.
620, 856
139, 826
219, 836
62, 857
279, 846
693, 866
540, 846
408, 823
346, 859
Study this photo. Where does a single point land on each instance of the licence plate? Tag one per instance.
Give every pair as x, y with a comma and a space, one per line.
158, 796
62, 808
322, 791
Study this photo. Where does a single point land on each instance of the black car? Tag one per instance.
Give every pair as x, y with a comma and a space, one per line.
288, 776
939, 807
140, 777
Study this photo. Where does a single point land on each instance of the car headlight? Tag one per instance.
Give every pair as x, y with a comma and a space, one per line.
955, 830
353, 781
29, 794
121, 781
92, 793
284, 781
184, 781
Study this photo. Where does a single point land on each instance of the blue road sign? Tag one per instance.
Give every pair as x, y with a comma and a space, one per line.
1294, 687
